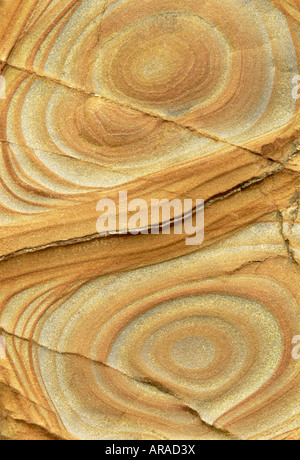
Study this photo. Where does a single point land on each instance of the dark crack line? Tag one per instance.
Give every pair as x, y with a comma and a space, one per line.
189, 409
251, 262
144, 381
287, 243
253, 181
192, 130
60, 243
95, 236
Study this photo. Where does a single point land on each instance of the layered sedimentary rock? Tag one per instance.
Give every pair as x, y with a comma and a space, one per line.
141, 336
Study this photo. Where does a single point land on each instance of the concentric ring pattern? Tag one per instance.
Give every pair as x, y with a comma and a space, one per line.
140, 336
145, 354
108, 92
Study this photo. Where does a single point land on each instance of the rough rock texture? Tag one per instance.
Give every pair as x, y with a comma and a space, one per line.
142, 336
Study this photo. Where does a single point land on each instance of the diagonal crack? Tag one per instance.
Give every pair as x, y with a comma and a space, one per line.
18, 394
256, 180
31, 425
196, 132
28, 250
94, 236
188, 408
144, 381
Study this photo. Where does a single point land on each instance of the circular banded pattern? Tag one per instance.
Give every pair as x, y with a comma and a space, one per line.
139, 354
124, 89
